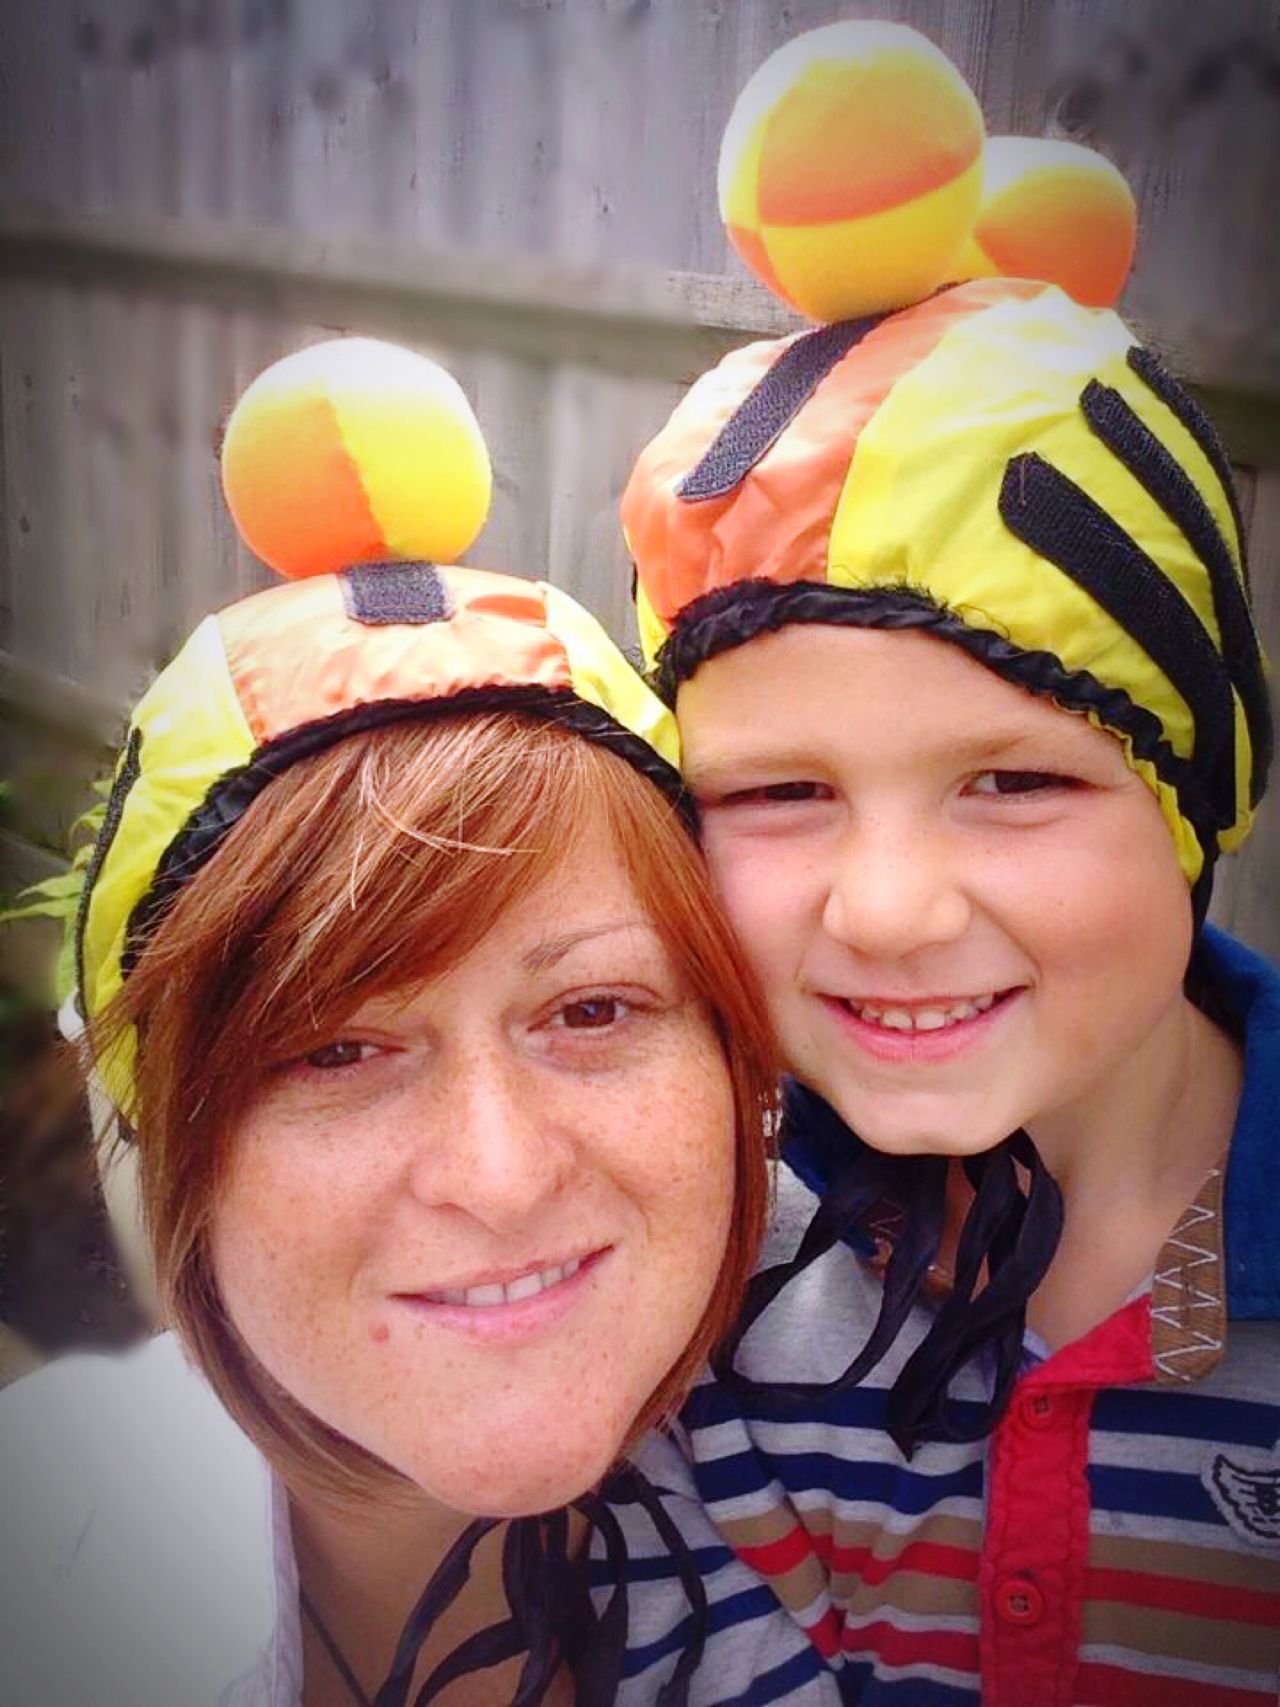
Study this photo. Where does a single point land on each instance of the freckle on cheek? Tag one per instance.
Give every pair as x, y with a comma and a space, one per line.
379, 1332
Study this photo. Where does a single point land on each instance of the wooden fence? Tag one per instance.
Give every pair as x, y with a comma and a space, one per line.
526, 188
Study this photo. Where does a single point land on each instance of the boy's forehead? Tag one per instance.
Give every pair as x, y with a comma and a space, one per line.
810, 688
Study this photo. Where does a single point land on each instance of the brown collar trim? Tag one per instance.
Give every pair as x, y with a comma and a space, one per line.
1188, 1294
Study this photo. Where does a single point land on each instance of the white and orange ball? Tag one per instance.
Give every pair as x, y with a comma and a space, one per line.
1056, 211
851, 168
355, 451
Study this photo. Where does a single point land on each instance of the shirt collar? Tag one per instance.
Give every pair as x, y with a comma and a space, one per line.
1250, 989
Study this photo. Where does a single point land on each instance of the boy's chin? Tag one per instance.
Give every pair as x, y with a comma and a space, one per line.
904, 1131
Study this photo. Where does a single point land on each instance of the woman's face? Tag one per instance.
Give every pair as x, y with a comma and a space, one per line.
474, 1229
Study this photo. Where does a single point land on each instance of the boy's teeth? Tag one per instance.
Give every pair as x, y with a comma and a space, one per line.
933, 1019
525, 1286
923, 1019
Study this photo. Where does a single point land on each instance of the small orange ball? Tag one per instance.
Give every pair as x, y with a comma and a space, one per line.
1055, 211
355, 451
850, 169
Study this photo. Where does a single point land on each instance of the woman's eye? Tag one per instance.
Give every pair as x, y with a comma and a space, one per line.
591, 1013
1010, 784
342, 1053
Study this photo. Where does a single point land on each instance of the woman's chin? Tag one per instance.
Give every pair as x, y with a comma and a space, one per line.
508, 1481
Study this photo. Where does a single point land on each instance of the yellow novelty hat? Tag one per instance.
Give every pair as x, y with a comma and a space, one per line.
366, 633
996, 463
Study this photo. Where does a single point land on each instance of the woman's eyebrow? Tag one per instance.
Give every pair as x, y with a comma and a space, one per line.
551, 949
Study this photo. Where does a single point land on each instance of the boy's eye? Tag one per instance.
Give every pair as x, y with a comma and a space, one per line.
1008, 784
775, 793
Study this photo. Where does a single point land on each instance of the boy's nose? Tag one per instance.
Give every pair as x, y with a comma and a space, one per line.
892, 892
493, 1144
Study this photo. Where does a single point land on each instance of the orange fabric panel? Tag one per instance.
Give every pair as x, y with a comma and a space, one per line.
776, 524
848, 139
296, 657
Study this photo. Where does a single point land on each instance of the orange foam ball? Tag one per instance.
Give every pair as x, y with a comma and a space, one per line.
355, 451
850, 169
1055, 211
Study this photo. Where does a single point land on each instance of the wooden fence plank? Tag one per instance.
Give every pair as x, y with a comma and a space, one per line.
665, 325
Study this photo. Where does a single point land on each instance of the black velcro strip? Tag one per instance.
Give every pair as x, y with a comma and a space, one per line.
769, 408
126, 776
1063, 524
382, 594
1133, 443
1157, 378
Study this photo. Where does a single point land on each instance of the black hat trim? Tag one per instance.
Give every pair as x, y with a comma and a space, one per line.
128, 773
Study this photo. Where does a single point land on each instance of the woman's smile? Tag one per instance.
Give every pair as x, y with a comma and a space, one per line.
531, 1301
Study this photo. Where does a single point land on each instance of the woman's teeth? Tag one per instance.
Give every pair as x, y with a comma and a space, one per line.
526, 1286
920, 1019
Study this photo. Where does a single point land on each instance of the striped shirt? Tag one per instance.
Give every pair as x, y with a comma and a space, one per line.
1115, 1541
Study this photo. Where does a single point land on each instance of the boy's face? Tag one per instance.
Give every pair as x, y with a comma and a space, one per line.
965, 908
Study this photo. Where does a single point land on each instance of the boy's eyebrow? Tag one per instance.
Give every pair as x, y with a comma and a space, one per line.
982, 747
996, 744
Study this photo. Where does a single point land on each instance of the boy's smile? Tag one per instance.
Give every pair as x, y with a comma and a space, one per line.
931, 1030
965, 907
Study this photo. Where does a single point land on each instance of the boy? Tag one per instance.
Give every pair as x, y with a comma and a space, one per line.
971, 703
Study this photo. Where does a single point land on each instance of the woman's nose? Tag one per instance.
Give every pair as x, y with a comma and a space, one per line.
495, 1142
894, 888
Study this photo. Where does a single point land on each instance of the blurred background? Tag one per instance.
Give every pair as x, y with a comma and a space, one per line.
525, 189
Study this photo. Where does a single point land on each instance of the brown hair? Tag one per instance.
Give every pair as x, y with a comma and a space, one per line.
384, 858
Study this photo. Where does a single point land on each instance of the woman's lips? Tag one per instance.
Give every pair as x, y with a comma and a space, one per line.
888, 1044
515, 1317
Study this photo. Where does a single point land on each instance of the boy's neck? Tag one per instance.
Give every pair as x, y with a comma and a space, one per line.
1156, 1129
1128, 1160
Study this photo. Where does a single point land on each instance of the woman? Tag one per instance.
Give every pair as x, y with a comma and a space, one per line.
448, 1088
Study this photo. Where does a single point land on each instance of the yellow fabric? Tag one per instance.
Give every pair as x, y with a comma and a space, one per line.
603, 677
919, 507
652, 630
193, 732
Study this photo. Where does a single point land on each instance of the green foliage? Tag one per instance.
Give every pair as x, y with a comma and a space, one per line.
58, 898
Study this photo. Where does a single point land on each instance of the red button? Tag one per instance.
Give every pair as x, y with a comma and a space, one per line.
1036, 1410
1019, 1601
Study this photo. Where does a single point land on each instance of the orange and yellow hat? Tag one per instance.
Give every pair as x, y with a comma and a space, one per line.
995, 460
349, 467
